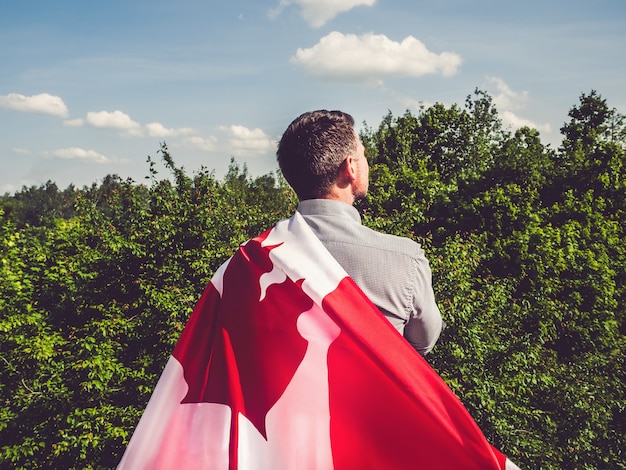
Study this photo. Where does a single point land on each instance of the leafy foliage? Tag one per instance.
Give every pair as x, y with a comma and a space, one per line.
528, 249
93, 304
526, 242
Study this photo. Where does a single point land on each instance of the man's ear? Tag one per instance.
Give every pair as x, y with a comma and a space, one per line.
349, 167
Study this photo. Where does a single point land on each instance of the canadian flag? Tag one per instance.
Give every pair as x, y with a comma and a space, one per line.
285, 364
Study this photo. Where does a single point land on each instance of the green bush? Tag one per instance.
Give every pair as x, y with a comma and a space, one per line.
526, 242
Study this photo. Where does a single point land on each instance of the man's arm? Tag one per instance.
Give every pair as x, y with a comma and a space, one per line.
424, 324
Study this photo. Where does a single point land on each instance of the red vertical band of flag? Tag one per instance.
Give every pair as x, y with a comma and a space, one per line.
286, 364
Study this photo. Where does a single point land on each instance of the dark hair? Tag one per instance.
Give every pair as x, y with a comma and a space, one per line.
313, 148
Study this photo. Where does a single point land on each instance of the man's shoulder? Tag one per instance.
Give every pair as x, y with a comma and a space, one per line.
394, 243
336, 222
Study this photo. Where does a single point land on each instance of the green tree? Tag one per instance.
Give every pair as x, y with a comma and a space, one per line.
527, 246
91, 306
38, 205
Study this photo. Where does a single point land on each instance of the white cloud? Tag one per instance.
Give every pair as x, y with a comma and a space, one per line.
206, 144
73, 123
21, 151
122, 121
318, 12
371, 57
156, 129
42, 103
244, 141
507, 100
114, 120
75, 153
510, 119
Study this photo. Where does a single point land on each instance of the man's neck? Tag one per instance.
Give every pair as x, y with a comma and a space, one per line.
340, 194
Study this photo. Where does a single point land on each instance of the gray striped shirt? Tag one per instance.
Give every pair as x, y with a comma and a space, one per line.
392, 271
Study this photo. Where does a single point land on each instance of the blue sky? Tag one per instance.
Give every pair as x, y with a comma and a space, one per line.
92, 88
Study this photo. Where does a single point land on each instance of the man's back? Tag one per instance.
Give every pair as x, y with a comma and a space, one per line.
392, 271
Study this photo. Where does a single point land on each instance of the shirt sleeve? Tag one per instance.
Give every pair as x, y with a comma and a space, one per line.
424, 323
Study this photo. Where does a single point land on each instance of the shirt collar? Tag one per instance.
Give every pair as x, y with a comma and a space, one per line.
329, 207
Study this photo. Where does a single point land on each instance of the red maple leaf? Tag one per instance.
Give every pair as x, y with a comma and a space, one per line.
239, 351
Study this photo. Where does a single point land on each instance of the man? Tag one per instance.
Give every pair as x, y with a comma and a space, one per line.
323, 159
286, 364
